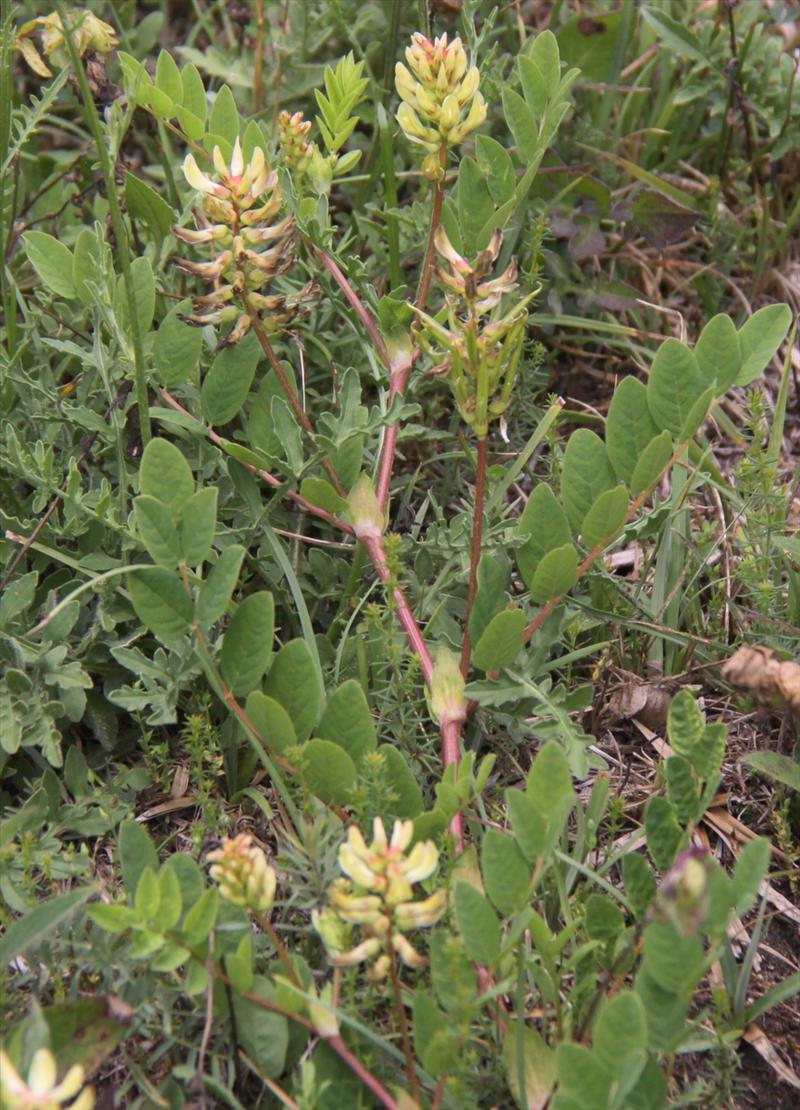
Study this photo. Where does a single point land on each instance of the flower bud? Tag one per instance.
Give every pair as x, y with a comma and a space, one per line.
447, 701
364, 511
243, 874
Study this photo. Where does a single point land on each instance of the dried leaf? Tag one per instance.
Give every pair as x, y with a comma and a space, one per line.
772, 681
766, 1049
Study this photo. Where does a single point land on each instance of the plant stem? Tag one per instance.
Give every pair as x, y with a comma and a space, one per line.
265, 475
280, 948
359, 1070
289, 390
402, 1021
356, 302
475, 553
430, 250
120, 231
258, 66
377, 553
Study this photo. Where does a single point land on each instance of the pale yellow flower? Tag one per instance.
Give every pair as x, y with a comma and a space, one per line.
244, 877
41, 1091
88, 33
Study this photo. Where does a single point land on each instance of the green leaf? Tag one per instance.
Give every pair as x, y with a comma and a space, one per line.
605, 518
408, 802
168, 76
666, 1013
586, 473
148, 895
198, 523
293, 683
491, 596
506, 874
531, 1083
329, 772
228, 381
224, 118
652, 462
707, 754
759, 339
496, 166
697, 414
527, 824
263, 1034
194, 93
718, 353
593, 44
501, 641
176, 347
435, 1042
452, 975
159, 534
170, 901
161, 602
639, 881
629, 427
674, 961
749, 873
549, 780
86, 264
271, 721
247, 646
477, 923
166, 475
779, 767
677, 36
348, 722
540, 71
86, 1031
620, 1030
52, 261
260, 425
674, 385
522, 124
136, 853
144, 296
216, 591
663, 833
582, 1076
682, 788
555, 574
201, 918
112, 918
38, 923
545, 524
475, 207
320, 492
685, 724
144, 204
604, 919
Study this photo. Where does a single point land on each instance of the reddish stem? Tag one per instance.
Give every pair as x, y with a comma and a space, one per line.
358, 305
475, 553
366, 1077
265, 475
377, 553
398, 381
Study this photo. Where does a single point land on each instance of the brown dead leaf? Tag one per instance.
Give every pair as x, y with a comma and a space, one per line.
766, 1049
640, 700
772, 681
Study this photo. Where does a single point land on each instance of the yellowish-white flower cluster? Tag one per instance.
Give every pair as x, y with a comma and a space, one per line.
440, 102
41, 1091
238, 213
88, 33
478, 357
378, 897
243, 874
293, 134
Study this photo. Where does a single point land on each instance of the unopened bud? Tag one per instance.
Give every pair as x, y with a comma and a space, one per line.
447, 701
364, 511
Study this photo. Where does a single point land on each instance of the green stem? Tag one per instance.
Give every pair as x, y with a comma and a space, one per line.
120, 231
475, 553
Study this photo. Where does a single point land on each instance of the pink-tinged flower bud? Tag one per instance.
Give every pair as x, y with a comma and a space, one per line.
476, 116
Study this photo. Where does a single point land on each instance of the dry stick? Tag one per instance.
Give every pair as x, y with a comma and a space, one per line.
265, 475
475, 553
289, 390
